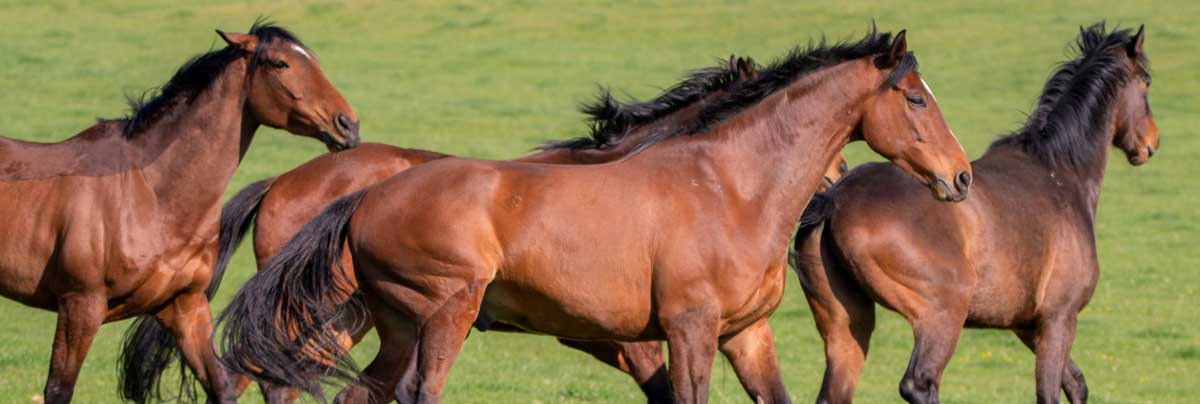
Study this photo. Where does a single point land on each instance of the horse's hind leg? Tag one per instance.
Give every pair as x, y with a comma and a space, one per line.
79, 318
188, 318
845, 317
441, 334
752, 354
380, 381
641, 360
1073, 383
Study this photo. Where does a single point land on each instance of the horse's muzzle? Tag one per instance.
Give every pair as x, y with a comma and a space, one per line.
943, 191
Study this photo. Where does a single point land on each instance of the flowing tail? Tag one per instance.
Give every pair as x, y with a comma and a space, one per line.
149, 349
279, 326
147, 352
236, 216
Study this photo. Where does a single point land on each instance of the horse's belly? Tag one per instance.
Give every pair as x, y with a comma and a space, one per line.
578, 309
1001, 299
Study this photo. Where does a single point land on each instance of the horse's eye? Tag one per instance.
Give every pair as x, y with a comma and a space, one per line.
916, 100
279, 64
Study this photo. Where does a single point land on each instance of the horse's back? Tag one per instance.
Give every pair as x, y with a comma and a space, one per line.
449, 196
300, 194
98, 151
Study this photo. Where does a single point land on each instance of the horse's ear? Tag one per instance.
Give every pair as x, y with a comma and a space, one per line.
733, 62
244, 42
746, 69
899, 49
1134, 49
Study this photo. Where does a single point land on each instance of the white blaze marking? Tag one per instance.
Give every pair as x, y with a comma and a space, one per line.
930, 91
300, 49
923, 83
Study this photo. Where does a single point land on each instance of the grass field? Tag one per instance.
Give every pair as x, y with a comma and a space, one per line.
490, 80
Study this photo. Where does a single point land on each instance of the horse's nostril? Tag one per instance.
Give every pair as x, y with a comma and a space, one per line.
963, 181
842, 167
345, 125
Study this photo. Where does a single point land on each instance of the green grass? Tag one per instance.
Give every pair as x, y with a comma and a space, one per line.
490, 80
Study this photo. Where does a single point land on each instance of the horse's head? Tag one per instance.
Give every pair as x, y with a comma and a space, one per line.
903, 123
1136, 132
288, 90
833, 173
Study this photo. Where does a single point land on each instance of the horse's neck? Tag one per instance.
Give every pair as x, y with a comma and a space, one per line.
1091, 177
770, 158
196, 151
1079, 186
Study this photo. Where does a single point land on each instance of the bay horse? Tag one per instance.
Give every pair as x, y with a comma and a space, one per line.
1019, 254
279, 206
685, 239
121, 219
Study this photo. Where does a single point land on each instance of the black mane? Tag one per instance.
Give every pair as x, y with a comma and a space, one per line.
611, 119
1071, 109
196, 76
798, 63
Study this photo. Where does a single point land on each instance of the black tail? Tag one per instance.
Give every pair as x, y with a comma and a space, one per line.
818, 211
149, 349
147, 352
236, 216
277, 328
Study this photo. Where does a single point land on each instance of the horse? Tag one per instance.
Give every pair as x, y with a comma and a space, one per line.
279, 206
1019, 254
683, 240
121, 219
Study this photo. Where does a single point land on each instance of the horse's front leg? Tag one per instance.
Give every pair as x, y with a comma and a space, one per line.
692, 341
79, 318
